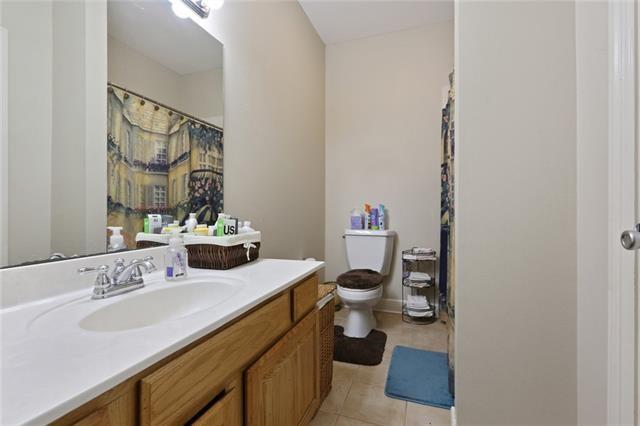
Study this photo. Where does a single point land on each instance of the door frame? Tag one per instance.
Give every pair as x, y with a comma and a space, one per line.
621, 362
4, 147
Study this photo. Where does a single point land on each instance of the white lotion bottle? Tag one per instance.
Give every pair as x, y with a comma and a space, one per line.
191, 223
175, 260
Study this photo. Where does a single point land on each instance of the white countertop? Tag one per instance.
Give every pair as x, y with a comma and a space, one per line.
50, 365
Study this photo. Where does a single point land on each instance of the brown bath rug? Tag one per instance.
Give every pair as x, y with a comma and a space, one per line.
365, 351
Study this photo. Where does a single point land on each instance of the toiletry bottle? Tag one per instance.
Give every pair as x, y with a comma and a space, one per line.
381, 224
246, 228
116, 241
374, 219
191, 223
220, 225
356, 219
367, 211
175, 260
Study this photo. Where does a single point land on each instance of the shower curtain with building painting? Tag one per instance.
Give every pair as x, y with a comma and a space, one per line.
447, 282
159, 162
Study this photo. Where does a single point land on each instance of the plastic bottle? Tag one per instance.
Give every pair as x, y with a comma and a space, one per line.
356, 219
246, 228
381, 220
175, 260
116, 241
191, 223
220, 225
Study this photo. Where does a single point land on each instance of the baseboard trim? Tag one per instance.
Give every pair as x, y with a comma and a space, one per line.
393, 306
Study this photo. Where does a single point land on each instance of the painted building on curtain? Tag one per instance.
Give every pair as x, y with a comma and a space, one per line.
151, 153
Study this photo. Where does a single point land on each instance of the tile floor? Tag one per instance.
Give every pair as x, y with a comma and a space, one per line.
357, 395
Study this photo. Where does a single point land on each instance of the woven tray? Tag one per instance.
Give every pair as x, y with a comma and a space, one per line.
210, 256
148, 244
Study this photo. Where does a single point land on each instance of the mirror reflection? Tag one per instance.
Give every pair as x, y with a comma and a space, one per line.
112, 129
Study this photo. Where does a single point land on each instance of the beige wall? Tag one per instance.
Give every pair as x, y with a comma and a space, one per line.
274, 128
383, 120
516, 213
199, 93
592, 209
129, 68
56, 119
274, 123
29, 29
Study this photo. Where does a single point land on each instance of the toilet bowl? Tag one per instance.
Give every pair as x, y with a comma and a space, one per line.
366, 250
360, 320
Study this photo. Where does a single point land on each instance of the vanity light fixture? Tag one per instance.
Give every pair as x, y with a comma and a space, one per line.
180, 9
201, 7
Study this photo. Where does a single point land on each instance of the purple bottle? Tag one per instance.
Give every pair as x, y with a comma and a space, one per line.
374, 219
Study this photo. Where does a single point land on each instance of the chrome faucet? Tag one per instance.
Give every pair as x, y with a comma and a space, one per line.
123, 279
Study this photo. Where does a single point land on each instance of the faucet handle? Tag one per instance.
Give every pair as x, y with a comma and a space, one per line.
102, 282
101, 269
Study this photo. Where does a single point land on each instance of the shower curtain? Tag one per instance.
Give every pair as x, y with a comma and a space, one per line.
159, 161
447, 282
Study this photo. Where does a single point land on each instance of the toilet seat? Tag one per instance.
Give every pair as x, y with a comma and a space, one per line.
360, 279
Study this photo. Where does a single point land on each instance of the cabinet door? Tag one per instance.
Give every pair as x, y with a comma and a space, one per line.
283, 387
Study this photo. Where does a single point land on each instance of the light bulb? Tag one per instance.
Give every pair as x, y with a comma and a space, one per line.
215, 4
180, 9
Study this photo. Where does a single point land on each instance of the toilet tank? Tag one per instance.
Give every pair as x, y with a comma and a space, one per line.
369, 249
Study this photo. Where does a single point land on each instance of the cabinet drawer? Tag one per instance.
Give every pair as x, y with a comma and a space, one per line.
224, 411
305, 296
177, 391
121, 411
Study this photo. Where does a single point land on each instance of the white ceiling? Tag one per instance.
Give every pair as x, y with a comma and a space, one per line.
337, 21
151, 28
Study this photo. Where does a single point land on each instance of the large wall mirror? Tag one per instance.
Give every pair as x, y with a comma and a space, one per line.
112, 113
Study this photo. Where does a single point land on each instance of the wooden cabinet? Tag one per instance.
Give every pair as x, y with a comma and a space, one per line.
224, 410
305, 296
260, 369
177, 390
121, 411
282, 387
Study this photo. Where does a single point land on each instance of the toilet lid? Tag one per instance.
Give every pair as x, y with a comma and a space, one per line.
360, 279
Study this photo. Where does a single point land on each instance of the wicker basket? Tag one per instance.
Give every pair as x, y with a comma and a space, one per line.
326, 315
148, 244
211, 256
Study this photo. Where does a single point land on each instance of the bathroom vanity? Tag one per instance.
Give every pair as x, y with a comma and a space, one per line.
221, 348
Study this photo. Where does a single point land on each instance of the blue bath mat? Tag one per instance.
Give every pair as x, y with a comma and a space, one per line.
419, 376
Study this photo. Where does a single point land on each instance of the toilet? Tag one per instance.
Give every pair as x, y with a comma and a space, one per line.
360, 289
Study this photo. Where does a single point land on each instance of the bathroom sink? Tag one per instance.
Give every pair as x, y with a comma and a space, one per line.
164, 304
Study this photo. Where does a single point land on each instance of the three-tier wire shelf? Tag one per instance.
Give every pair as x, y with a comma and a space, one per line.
420, 295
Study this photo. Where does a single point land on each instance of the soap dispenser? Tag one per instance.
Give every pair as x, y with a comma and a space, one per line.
191, 223
116, 241
175, 259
